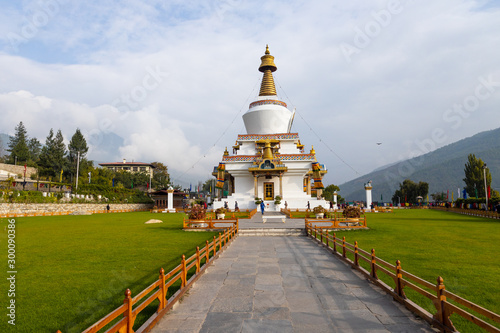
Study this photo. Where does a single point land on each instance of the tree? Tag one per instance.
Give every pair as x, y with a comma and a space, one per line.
328, 193
34, 148
76, 145
438, 197
161, 178
52, 157
474, 177
409, 191
18, 145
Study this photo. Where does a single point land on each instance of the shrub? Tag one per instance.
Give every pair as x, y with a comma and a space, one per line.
319, 210
351, 212
277, 200
220, 210
197, 213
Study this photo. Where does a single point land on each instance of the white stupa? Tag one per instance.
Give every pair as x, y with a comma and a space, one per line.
269, 160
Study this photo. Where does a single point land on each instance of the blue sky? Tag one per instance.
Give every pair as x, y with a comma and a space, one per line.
169, 80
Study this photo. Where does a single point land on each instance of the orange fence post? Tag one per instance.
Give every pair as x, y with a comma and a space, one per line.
198, 260
327, 238
215, 247
343, 247
207, 252
373, 270
184, 271
442, 315
163, 300
335, 242
356, 254
220, 242
399, 277
321, 234
128, 313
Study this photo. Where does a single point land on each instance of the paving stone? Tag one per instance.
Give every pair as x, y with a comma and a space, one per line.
267, 326
228, 291
224, 322
233, 304
268, 270
272, 313
275, 279
269, 299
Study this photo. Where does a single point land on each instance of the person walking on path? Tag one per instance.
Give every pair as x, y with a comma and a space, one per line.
308, 206
262, 206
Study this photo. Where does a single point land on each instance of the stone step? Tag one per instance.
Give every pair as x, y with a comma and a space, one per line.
272, 232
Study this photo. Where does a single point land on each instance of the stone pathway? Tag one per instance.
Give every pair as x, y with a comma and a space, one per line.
285, 284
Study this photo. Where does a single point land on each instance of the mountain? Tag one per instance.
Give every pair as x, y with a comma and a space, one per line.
442, 168
4, 143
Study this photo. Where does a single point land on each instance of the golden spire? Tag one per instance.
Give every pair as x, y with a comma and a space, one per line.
312, 151
267, 66
226, 153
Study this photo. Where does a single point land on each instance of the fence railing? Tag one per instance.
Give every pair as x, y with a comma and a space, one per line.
473, 212
209, 223
122, 319
437, 293
337, 222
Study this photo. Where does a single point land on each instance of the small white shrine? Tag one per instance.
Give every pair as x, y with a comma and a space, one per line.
269, 161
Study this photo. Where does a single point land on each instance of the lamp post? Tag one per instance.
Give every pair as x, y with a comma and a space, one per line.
485, 187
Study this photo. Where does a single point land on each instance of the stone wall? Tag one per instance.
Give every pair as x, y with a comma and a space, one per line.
17, 170
40, 208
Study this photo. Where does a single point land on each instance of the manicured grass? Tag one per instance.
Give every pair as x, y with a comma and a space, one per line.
73, 270
464, 250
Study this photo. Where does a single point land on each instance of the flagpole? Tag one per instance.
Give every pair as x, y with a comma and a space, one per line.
77, 169
485, 187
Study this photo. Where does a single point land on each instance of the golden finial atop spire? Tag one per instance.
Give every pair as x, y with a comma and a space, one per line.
226, 153
267, 66
312, 151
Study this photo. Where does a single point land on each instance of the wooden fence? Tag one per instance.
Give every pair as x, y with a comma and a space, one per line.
209, 223
337, 222
473, 212
437, 293
122, 318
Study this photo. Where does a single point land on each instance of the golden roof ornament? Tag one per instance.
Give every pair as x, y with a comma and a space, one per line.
312, 151
267, 66
226, 153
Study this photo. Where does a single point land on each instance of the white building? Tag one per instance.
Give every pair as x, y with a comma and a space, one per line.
269, 161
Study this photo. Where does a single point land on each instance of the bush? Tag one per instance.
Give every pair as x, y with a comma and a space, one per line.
197, 213
220, 210
319, 210
351, 212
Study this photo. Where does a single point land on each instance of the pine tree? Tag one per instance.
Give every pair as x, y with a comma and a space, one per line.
18, 145
474, 176
59, 154
52, 157
34, 148
77, 144
46, 155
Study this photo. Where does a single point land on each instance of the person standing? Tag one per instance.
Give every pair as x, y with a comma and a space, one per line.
236, 208
262, 206
308, 206
107, 208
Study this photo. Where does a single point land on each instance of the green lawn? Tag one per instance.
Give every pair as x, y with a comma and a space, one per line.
73, 270
464, 250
